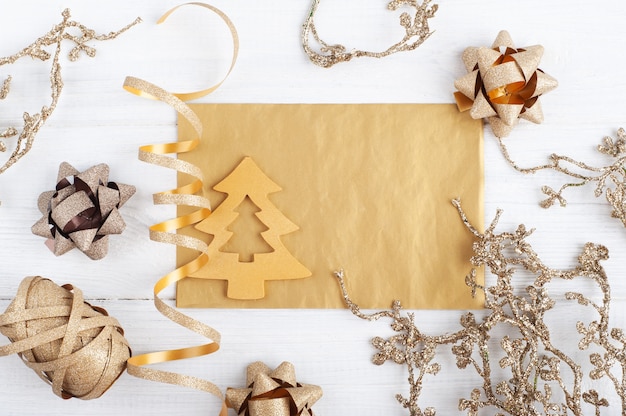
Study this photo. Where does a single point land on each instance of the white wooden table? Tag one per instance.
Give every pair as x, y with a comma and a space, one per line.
96, 121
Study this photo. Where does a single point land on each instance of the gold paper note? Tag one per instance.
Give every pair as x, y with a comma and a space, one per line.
370, 187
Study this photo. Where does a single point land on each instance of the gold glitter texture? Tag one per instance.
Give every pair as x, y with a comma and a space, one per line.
503, 84
82, 213
36, 50
610, 179
416, 30
273, 393
164, 231
535, 375
75, 347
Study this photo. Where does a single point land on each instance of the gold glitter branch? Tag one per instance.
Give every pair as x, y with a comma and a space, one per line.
610, 179
416, 32
537, 377
32, 123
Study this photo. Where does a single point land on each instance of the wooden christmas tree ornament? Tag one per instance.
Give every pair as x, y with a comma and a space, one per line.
246, 274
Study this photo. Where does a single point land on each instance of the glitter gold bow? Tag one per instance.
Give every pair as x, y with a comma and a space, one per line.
82, 213
503, 84
274, 393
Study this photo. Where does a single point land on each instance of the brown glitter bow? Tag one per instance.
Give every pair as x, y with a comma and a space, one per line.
503, 84
83, 213
273, 393
75, 347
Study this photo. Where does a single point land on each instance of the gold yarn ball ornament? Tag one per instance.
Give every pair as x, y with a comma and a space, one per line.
73, 346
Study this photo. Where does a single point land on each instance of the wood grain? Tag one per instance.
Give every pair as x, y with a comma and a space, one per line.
96, 121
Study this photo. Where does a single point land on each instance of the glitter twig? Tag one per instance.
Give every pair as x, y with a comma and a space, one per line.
541, 377
36, 50
610, 180
416, 32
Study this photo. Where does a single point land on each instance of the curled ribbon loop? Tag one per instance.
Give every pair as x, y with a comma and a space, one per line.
164, 231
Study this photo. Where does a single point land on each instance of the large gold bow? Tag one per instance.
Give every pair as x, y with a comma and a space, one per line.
503, 84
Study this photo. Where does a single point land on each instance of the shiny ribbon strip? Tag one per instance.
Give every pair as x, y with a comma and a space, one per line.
165, 231
73, 346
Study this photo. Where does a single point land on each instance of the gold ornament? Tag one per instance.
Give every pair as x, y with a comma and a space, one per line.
246, 278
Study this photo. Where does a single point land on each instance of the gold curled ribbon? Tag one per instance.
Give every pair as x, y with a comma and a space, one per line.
164, 231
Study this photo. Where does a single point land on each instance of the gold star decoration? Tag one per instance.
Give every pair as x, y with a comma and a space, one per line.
82, 213
273, 393
503, 84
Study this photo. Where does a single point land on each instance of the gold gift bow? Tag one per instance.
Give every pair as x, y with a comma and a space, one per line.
273, 392
503, 84
162, 232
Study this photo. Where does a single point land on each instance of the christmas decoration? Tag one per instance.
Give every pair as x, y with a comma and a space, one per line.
60, 32
610, 179
273, 393
75, 347
537, 374
82, 212
165, 231
503, 84
416, 29
246, 278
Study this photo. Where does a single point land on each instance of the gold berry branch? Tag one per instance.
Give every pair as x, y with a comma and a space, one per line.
416, 30
540, 378
609, 180
36, 50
